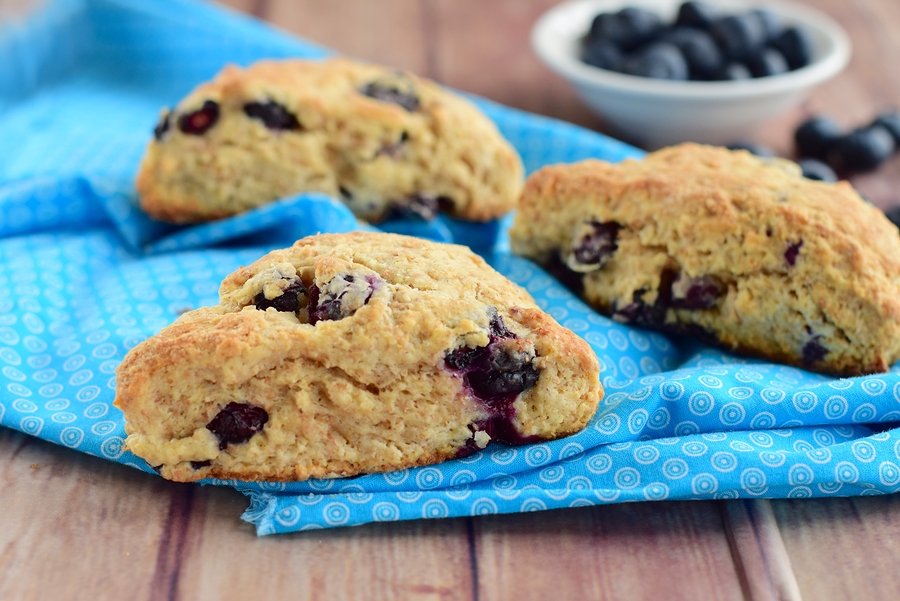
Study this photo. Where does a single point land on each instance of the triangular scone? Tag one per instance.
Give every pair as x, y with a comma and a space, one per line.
741, 250
383, 141
348, 354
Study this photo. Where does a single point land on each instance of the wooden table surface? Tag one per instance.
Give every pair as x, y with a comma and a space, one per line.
77, 527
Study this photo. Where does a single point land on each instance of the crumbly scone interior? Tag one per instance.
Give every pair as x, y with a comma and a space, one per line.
361, 383
736, 248
375, 154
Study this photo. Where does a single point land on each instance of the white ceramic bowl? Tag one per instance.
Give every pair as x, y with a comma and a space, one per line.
656, 113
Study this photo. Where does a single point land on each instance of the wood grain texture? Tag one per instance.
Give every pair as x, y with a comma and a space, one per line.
669, 551
843, 548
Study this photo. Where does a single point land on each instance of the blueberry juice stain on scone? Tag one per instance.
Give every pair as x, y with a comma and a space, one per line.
738, 250
349, 354
388, 144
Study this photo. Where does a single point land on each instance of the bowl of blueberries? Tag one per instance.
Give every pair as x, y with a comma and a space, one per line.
666, 71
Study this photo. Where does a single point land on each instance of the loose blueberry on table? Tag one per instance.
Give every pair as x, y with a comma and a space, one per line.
701, 44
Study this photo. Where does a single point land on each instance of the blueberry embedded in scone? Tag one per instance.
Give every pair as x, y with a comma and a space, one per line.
738, 249
385, 143
349, 354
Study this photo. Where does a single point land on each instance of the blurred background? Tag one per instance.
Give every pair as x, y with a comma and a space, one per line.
483, 47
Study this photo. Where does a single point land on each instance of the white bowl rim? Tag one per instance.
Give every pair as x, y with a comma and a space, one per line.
587, 76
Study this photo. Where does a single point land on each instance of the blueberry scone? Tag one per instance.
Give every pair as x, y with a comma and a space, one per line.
383, 141
740, 250
349, 354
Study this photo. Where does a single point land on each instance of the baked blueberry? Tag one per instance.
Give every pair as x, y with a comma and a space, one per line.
813, 351
695, 14
592, 246
273, 115
890, 120
343, 296
816, 137
604, 54
418, 206
862, 149
768, 62
790, 254
236, 423
163, 126
292, 298
703, 56
796, 46
507, 371
817, 170
660, 60
702, 292
741, 37
628, 29
198, 122
393, 94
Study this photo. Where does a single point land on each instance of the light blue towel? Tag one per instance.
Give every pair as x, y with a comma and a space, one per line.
86, 276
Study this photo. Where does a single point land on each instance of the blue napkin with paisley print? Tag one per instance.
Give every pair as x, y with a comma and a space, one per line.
86, 276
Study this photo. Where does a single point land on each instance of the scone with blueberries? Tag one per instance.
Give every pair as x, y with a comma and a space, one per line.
740, 250
385, 142
349, 354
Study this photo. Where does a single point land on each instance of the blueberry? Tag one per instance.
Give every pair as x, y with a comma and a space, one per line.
817, 170
293, 297
464, 356
392, 94
753, 148
735, 72
695, 14
603, 54
703, 57
893, 214
237, 422
890, 120
862, 149
816, 137
198, 122
796, 46
702, 292
592, 246
768, 62
273, 115
741, 37
790, 254
508, 371
771, 24
163, 126
199, 465
419, 206
658, 61
640, 313
628, 29
341, 297
813, 351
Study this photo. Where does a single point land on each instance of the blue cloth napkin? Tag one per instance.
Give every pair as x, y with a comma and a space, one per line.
85, 276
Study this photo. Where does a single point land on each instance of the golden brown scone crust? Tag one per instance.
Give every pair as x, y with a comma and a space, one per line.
808, 272
374, 154
369, 391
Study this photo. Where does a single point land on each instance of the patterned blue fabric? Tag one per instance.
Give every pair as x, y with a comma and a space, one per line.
85, 276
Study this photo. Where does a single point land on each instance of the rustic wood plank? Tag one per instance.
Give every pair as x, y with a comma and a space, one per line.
666, 551
758, 551
843, 548
79, 527
420, 560
389, 32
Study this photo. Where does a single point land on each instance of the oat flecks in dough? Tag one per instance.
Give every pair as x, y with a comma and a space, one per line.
740, 250
384, 142
399, 352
